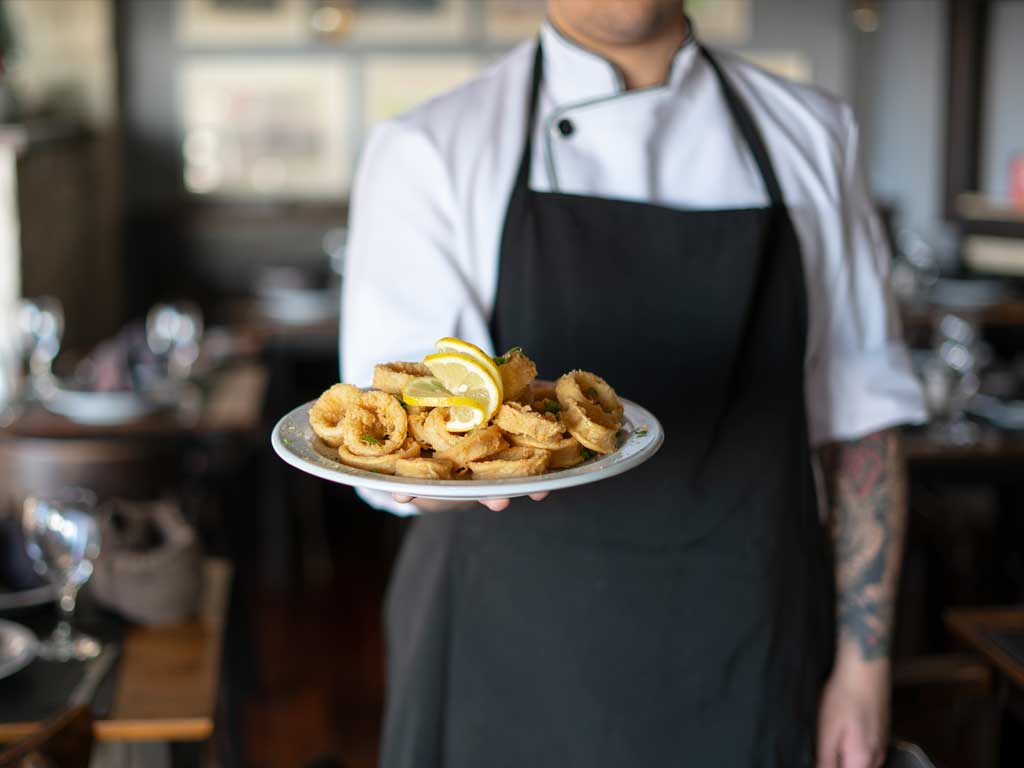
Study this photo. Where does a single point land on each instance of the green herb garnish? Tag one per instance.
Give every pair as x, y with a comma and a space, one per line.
586, 453
591, 392
502, 359
641, 432
551, 406
404, 406
286, 441
370, 440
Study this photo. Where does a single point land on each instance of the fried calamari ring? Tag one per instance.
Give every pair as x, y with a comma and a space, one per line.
518, 419
568, 455
586, 387
327, 413
394, 377
435, 431
375, 426
527, 441
427, 469
409, 449
418, 430
517, 372
476, 445
590, 410
541, 396
511, 462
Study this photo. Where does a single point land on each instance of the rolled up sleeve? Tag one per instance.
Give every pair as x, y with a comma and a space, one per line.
859, 378
402, 287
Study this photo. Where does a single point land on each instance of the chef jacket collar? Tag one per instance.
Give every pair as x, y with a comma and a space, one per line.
573, 73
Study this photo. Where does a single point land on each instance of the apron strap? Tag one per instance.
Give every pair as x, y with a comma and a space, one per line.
738, 110
745, 122
523, 177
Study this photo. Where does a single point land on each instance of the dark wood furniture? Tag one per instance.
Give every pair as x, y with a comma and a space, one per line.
168, 680
64, 742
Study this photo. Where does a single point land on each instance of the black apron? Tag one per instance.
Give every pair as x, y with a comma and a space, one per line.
680, 614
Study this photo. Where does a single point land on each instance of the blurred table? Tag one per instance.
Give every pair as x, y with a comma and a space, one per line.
168, 677
995, 633
232, 403
997, 456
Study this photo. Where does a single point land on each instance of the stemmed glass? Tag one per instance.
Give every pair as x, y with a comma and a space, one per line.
951, 379
62, 536
40, 323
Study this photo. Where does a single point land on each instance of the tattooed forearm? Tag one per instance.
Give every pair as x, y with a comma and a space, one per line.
866, 486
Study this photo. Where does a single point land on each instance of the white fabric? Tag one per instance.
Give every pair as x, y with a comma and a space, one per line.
432, 187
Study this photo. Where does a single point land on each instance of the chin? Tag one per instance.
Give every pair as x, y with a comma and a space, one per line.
616, 22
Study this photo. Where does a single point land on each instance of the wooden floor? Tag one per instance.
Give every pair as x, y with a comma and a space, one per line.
315, 686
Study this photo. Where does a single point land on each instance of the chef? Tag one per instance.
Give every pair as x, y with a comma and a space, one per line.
616, 196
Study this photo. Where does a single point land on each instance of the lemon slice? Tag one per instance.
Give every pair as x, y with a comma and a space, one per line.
429, 392
451, 344
465, 376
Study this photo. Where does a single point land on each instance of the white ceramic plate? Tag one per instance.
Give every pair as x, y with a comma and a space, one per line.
99, 408
17, 647
641, 438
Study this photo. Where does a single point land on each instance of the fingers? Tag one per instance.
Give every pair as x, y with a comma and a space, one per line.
496, 505
857, 753
847, 750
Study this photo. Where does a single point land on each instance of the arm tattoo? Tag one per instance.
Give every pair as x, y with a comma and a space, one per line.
866, 488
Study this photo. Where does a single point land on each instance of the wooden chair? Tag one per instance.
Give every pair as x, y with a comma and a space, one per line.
64, 742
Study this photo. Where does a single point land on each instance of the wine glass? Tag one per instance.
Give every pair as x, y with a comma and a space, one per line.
40, 323
174, 332
62, 536
951, 379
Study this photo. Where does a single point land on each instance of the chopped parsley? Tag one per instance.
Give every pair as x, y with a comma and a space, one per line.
502, 359
641, 432
586, 453
370, 439
551, 406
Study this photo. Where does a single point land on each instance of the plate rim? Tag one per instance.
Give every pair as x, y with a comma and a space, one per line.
461, 490
33, 597
18, 663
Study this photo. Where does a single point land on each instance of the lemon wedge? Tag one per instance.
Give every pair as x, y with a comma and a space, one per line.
465, 376
430, 392
451, 344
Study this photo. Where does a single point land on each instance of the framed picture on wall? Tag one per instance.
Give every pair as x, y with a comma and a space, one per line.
393, 84
259, 128
225, 23
722, 22
403, 21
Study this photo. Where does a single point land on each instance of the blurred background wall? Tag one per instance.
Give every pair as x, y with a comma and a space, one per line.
216, 139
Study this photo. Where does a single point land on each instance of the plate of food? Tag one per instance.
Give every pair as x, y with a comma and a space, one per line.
464, 425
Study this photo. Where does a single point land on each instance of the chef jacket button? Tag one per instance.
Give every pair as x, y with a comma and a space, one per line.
565, 127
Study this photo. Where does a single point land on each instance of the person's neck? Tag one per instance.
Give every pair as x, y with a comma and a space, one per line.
642, 65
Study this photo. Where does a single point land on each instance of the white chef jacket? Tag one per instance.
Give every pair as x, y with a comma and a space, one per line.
430, 194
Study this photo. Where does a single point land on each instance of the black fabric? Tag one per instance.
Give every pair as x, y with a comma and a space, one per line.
679, 614
40, 690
